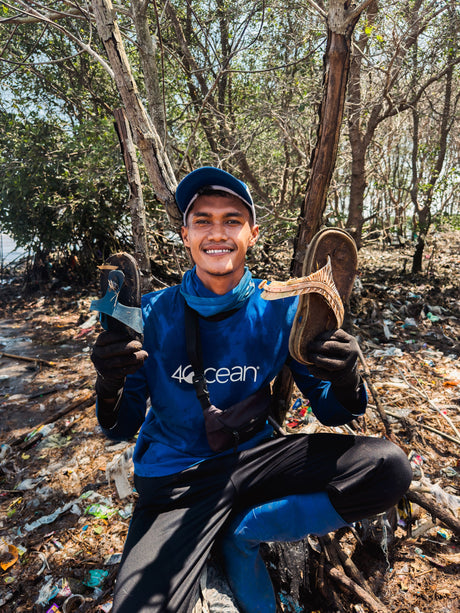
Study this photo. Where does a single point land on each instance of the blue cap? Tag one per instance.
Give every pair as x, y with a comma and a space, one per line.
187, 190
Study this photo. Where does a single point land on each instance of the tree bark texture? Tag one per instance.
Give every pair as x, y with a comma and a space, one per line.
359, 139
145, 135
147, 53
136, 199
336, 68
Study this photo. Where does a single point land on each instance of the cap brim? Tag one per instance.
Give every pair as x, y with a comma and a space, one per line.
216, 177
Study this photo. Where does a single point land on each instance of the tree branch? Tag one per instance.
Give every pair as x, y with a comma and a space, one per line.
27, 10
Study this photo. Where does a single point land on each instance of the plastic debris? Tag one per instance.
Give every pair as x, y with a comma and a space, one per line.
445, 534
48, 519
289, 603
72, 603
449, 471
5, 451
119, 469
127, 511
115, 558
13, 554
47, 592
100, 510
44, 430
95, 577
29, 484
55, 441
52, 589
443, 498
388, 352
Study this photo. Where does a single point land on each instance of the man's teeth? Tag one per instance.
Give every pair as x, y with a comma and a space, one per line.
218, 250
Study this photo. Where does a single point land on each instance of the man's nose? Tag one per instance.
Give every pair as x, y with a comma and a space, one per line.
217, 231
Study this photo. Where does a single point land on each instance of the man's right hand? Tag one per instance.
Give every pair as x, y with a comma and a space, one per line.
114, 356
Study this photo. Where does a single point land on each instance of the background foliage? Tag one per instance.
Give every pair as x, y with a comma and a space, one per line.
239, 85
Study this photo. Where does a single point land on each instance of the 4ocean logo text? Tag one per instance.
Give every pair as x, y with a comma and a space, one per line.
184, 374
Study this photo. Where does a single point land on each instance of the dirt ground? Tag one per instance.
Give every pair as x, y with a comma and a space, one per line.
63, 523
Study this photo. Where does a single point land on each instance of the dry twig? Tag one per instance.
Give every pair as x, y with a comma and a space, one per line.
27, 359
423, 395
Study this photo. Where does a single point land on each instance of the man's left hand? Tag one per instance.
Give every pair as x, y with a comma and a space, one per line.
334, 356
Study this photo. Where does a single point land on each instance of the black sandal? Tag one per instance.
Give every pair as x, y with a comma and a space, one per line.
119, 309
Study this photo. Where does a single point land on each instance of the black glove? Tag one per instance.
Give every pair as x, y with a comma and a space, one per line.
334, 357
115, 356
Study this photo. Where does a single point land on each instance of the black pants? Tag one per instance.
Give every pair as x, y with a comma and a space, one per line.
177, 518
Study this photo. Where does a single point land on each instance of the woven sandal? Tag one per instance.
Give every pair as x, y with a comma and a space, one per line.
329, 270
119, 309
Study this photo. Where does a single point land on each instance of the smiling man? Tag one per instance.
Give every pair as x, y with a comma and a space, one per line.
219, 230
209, 469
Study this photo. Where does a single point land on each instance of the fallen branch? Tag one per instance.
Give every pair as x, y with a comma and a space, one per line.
435, 509
85, 400
416, 424
27, 359
350, 567
348, 585
339, 560
326, 592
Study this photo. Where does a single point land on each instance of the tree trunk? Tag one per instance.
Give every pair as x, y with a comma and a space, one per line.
147, 54
358, 186
358, 140
145, 135
136, 199
340, 25
336, 67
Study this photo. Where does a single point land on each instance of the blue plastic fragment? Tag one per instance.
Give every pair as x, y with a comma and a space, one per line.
109, 305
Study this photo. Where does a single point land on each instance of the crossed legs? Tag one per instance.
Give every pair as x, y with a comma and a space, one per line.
178, 518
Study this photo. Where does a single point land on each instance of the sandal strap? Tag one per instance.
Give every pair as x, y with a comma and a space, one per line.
320, 282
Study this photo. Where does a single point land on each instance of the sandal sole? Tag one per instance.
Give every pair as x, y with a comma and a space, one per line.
314, 315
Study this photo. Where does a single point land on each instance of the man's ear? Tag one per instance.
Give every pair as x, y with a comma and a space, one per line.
184, 234
254, 235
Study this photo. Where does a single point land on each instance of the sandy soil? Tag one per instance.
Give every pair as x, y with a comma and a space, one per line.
53, 457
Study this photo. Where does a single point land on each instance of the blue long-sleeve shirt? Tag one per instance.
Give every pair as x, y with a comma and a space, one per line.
241, 353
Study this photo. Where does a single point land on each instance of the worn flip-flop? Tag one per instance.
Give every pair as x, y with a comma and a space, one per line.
329, 270
315, 313
119, 308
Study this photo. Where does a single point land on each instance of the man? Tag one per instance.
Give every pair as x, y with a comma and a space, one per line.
265, 488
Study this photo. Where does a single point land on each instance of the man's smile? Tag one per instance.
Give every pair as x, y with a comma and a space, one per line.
217, 250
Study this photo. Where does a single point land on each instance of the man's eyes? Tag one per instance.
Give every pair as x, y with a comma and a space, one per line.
204, 222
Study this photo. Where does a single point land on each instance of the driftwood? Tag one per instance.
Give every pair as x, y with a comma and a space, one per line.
350, 586
329, 595
435, 509
347, 574
338, 556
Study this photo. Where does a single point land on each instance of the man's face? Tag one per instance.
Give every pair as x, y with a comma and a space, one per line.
218, 233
